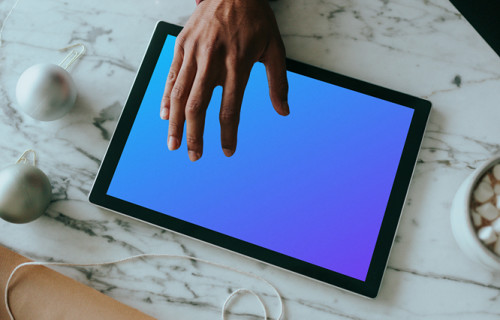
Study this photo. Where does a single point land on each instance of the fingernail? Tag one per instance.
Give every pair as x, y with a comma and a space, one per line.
164, 113
173, 142
193, 155
286, 107
228, 152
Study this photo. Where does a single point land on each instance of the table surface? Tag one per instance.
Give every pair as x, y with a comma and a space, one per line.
424, 48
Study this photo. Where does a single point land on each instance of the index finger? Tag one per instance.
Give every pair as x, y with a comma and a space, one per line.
171, 78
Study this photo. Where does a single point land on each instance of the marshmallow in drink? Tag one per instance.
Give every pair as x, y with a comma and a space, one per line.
487, 235
496, 226
483, 192
496, 189
496, 171
486, 179
476, 219
488, 211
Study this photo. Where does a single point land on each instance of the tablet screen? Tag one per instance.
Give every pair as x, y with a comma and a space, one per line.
313, 185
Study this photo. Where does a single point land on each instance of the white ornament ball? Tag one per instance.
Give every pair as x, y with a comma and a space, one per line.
25, 193
46, 92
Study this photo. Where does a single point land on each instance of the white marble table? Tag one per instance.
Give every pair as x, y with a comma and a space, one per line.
422, 47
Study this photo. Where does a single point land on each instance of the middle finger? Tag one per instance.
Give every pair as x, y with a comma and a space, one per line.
178, 97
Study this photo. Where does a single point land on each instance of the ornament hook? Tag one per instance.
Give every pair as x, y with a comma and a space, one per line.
72, 56
24, 157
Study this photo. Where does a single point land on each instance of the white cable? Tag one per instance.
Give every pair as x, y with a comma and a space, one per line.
224, 307
4, 20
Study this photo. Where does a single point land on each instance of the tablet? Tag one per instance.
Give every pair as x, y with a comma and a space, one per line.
319, 192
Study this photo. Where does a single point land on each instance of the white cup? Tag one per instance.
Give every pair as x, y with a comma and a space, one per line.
461, 221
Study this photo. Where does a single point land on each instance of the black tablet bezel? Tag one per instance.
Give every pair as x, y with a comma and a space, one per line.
371, 285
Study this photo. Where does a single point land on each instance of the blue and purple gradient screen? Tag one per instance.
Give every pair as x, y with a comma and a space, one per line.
313, 185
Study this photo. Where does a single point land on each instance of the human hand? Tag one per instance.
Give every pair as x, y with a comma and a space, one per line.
218, 46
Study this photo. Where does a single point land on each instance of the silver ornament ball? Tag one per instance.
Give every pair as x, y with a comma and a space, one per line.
46, 92
25, 193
